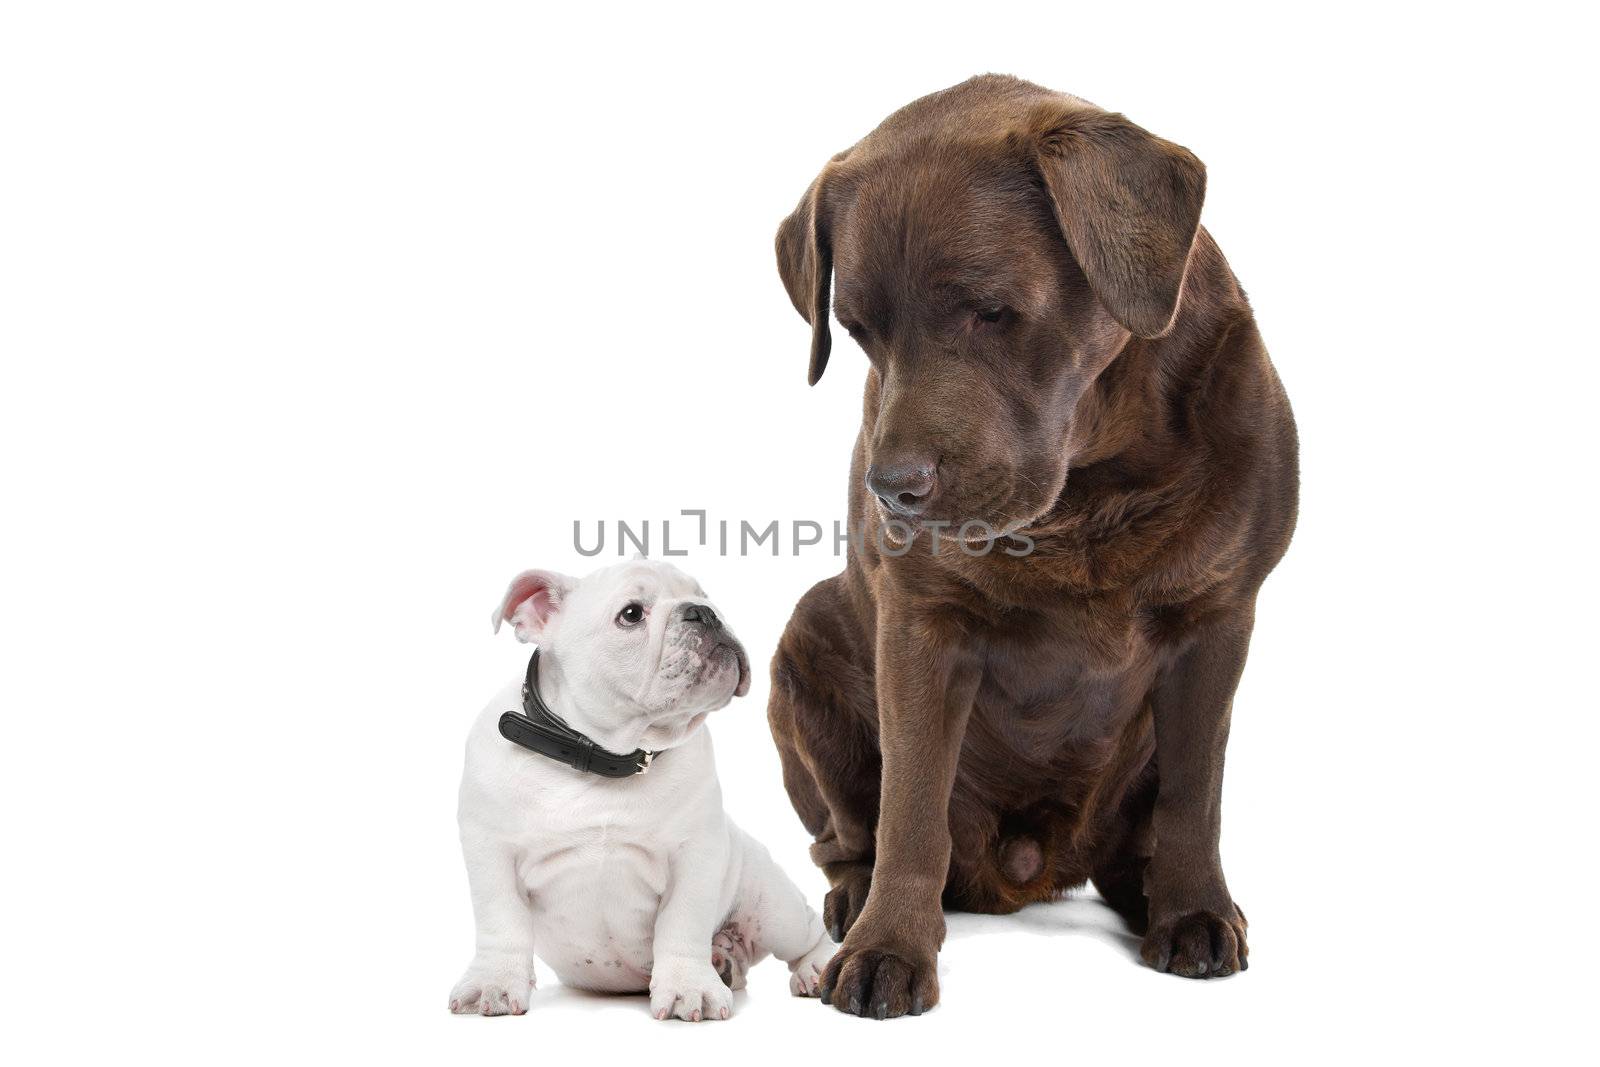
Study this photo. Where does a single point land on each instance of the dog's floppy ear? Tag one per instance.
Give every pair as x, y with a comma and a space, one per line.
805, 263
1129, 206
532, 598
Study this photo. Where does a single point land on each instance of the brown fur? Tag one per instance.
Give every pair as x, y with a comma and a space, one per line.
991, 731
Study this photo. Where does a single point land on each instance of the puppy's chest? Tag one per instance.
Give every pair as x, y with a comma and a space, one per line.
583, 841
580, 843
595, 881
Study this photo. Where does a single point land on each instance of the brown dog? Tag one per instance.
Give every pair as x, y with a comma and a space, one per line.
1058, 350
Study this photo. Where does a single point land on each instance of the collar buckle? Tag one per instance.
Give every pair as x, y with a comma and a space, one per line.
541, 730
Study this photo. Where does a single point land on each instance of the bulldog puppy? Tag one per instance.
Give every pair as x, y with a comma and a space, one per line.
626, 875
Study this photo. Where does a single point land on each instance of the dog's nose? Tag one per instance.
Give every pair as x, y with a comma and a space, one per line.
904, 487
702, 613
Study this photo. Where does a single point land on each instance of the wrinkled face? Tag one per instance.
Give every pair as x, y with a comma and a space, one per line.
953, 277
637, 649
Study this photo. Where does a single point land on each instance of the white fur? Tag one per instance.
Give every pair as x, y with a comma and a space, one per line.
621, 885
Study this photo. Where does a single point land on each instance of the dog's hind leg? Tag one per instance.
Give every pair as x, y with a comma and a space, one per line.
771, 915
1125, 853
731, 954
823, 715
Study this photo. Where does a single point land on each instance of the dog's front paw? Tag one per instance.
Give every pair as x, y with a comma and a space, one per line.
690, 990
881, 981
486, 990
805, 977
1198, 944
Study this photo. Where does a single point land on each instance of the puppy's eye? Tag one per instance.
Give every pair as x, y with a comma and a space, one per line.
989, 316
632, 615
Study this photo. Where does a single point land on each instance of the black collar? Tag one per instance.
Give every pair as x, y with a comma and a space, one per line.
541, 730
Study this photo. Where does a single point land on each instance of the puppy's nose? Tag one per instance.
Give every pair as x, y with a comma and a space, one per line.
702, 613
905, 486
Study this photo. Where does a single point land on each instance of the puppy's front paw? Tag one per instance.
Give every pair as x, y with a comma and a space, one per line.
690, 990
487, 990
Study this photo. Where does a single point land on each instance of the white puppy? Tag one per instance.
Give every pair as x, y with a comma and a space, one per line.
620, 881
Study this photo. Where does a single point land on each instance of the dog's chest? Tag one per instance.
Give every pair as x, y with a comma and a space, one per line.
591, 855
1068, 674
595, 895
594, 856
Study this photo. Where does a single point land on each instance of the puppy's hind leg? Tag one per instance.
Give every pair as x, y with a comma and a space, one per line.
775, 917
731, 954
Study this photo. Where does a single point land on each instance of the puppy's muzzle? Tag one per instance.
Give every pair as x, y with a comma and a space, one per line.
702, 614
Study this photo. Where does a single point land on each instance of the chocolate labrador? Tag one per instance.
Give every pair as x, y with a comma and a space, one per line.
1067, 383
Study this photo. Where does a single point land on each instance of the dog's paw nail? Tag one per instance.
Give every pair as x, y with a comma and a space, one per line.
1200, 944
694, 1016
725, 1013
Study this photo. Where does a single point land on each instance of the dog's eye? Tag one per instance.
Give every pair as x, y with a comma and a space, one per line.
632, 615
990, 316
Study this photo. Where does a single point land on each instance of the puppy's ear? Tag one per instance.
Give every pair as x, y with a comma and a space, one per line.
1129, 206
531, 600
805, 263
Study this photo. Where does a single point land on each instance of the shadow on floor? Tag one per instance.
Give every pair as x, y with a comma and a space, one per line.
551, 992
1085, 914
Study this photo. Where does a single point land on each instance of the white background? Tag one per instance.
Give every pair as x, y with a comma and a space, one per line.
321, 320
